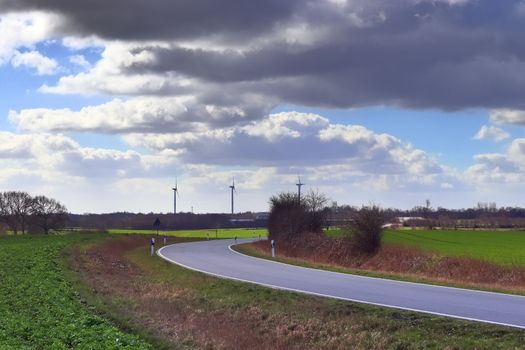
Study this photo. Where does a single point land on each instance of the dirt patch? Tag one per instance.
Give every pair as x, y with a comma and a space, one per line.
404, 261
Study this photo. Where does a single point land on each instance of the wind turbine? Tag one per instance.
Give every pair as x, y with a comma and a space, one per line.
232, 187
175, 196
299, 185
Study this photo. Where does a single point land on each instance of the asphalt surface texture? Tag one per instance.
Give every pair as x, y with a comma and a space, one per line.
215, 257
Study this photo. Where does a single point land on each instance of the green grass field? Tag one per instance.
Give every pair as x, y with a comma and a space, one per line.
211, 233
501, 247
38, 306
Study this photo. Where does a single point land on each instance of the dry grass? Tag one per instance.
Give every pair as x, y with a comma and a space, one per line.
405, 262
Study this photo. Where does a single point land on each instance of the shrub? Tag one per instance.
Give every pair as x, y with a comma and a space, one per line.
291, 218
366, 230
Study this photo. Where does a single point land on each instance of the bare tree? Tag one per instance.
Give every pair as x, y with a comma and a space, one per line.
48, 213
4, 213
15, 210
290, 218
315, 201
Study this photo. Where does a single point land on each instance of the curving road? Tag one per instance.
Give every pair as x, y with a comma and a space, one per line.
216, 258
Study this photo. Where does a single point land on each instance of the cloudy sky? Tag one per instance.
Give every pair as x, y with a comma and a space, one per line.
105, 103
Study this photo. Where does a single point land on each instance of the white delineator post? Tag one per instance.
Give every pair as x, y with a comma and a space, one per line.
152, 245
273, 248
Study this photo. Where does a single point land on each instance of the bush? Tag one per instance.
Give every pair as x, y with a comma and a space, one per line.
366, 230
291, 218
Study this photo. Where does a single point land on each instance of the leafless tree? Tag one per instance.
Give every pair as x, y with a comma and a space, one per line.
15, 210
19, 211
290, 218
48, 214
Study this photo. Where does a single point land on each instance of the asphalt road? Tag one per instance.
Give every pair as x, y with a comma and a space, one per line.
217, 259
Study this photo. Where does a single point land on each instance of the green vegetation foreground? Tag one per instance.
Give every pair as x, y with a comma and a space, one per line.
39, 308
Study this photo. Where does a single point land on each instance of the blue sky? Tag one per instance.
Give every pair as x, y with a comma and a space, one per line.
393, 103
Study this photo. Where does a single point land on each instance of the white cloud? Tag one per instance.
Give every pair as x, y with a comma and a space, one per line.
287, 140
60, 154
503, 168
109, 75
491, 133
80, 61
286, 125
507, 116
141, 114
117, 116
35, 60
81, 43
24, 30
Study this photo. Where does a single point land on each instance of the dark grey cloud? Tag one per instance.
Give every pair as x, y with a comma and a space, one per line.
413, 54
161, 19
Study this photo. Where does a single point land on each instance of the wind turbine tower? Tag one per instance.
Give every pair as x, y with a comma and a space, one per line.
232, 187
175, 195
299, 184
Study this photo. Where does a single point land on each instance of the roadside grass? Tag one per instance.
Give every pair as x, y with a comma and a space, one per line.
208, 233
217, 313
500, 247
40, 309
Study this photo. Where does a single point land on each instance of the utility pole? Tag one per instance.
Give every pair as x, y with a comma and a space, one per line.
299, 185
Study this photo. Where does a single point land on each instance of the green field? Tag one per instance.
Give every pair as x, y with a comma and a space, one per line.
211, 233
38, 306
501, 247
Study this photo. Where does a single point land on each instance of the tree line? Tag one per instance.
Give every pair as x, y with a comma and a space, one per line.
179, 221
22, 213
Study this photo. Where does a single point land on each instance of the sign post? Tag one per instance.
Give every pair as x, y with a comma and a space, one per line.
157, 225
